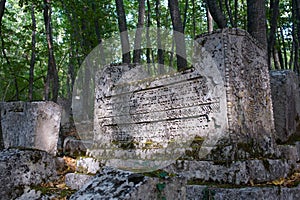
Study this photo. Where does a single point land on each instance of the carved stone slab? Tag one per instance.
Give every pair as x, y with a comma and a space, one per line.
31, 125
286, 101
150, 121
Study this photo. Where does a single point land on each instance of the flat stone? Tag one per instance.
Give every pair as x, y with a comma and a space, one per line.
118, 184
88, 165
20, 168
75, 147
237, 173
195, 192
31, 125
76, 181
286, 103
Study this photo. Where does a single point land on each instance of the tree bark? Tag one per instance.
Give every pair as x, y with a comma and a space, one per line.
32, 59
138, 34
229, 13
210, 23
216, 13
160, 52
123, 31
274, 8
256, 13
178, 35
52, 82
2, 9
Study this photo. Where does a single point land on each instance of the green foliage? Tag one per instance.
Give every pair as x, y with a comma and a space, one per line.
78, 27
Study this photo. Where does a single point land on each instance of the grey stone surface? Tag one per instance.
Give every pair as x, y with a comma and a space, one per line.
76, 181
20, 168
224, 101
31, 125
30, 194
237, 173
75, 147
286, 103
196, 192
88, 165
118, 184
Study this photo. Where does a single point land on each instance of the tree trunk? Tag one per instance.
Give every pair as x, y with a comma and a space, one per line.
274, 7
210, 22
216, 13
52, 75
256, 13
160, 52
178, 34
148, 53
32, 59
138, 34
123, 31
296, 8
186, 7
229, 13
2, 8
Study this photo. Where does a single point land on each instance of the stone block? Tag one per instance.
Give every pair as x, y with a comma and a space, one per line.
31, 125
143, 122
286, 104
87, 165
76, 181
20, 168
195, 192
119, 184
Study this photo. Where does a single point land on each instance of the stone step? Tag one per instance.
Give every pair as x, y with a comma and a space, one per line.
196, 192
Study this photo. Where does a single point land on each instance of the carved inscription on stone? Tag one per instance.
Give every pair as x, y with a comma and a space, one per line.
153, 118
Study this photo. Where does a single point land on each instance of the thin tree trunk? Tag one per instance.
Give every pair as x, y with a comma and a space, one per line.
284, 47
178, 35
296, 6
2, 9
236, 7
32, 59
160, 52
194, 18
274, 7
229, 13
210, 22
138, 34
123, 31
217, 13
52, 76
277, 62
256, 13
186, 7
148, 53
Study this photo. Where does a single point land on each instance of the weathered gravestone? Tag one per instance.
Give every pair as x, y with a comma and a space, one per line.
30, 125
222, 104
286, 104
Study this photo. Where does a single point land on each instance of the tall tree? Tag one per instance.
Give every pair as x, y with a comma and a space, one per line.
178, 34
32, 59
160, 52
2, 8
274, 10
123, 31
256, 15
216, 13
52, 74
138, 34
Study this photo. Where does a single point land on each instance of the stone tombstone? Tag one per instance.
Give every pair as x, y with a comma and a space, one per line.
286, 104
144, 122
31, 125
242, 62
